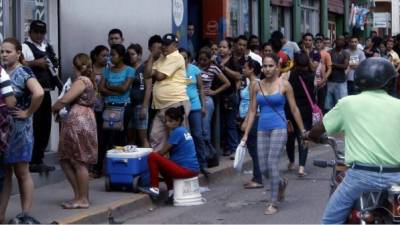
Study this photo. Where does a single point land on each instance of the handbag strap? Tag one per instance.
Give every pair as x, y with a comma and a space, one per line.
310, 101
270, 105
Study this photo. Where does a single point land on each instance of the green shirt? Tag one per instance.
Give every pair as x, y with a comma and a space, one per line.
371, 125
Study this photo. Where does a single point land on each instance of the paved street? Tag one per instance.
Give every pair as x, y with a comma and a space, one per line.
229, 203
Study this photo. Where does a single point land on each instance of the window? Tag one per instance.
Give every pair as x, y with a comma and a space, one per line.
32, 10
277, 18
309, 16
239, 22
281, 20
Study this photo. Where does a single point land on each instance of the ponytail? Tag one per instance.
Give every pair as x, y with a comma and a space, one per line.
83, 63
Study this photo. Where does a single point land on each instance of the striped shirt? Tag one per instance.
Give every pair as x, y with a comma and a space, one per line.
5, 84
208, 76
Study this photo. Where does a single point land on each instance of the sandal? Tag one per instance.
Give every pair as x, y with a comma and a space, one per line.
290, 166
252, 185
270, 209
301, 174
74, 205
282, 189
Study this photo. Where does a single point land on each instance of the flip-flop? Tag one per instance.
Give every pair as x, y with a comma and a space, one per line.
63, 204
301, 174
270, 209
72, 205
253, 185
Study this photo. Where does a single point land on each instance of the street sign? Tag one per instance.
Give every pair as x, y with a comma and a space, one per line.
381, 20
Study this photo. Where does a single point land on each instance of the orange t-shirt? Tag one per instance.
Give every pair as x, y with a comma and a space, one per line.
326, 58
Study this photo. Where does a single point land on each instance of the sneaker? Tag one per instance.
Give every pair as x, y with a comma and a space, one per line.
154, 193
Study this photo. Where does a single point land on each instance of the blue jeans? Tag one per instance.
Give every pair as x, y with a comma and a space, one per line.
208, 118
354, 184
335, 91
196, 129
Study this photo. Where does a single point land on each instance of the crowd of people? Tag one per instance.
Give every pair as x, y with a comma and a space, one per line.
266, 93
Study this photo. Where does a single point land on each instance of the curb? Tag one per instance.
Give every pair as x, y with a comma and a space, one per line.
137, 204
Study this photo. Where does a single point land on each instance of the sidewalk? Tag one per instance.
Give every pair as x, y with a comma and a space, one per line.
47, 200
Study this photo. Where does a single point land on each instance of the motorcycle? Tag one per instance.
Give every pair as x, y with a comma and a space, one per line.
375, 207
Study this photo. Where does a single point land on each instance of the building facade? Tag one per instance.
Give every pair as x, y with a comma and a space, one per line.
78, 25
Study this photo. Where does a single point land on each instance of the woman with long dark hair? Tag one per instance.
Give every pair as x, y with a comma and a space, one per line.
140, 98
99, 57
300, 73
115, 88
270, 95
251, 71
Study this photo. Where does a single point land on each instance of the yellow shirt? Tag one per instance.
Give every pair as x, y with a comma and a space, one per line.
173, 89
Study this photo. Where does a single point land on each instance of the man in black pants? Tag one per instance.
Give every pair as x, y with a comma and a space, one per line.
41, 58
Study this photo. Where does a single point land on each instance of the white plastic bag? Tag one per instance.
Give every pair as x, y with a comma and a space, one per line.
64, 111
240, 155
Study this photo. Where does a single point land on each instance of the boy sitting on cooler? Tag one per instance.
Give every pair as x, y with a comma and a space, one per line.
182, 162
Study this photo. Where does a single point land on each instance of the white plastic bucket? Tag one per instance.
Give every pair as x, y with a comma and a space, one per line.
187, 192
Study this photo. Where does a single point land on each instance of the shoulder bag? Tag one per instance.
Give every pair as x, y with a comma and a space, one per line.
316, 111
113, 117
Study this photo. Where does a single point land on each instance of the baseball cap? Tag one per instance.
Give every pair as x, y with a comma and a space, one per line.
38, 26
169, 39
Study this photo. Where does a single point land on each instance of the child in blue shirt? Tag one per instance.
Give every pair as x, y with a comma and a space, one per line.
182, 163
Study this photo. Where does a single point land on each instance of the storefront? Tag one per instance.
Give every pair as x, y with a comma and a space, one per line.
16, 15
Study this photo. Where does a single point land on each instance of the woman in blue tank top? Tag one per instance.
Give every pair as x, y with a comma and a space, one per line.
270, 96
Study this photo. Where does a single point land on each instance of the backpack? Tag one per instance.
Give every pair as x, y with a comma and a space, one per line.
6, 123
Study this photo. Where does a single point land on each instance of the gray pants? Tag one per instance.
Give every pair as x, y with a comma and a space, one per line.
270, 146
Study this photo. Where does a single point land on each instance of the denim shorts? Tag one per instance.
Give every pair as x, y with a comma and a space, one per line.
136, 122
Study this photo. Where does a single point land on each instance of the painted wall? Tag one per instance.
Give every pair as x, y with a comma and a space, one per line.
85, 24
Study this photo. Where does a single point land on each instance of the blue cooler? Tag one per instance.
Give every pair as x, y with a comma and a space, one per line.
124, 168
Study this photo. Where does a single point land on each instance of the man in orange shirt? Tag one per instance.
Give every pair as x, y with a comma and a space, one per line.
326, 70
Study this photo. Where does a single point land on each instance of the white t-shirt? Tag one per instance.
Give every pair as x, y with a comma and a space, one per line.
290, 48
356, 57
